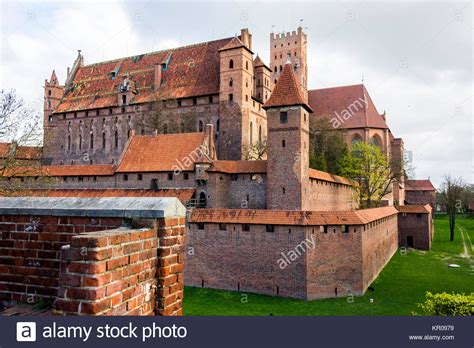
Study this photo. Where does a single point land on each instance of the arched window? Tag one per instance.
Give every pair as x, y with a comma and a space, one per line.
251, 133
165, 129
356, 138
275, 70
376, 140
103, 140
80, 141
116, 139
142, 132
247, 65
231, 64
202, 200
92, 140
201, 126
69, 142
124, 99
231, 82
260, 134
281, 69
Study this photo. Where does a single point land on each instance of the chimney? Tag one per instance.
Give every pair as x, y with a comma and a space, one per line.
157, 81
245, 37
210, 141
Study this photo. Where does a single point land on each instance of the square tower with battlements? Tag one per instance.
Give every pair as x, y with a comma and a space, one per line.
292, 46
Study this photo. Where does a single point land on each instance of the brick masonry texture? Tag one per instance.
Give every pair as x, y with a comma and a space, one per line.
344, 260
415, 226
29, 252
124, 272
91, 265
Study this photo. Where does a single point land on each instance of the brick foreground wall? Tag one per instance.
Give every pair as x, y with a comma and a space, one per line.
86, 264
29, 252
119, 272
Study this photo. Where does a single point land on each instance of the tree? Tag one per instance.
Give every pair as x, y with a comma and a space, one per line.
255, 151
327, 147
452, 191
20, 128
370, 168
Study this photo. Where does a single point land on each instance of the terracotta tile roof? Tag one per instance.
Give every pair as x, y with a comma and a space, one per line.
66, 170
317, 174
22, 152
346, 100
419, 209
257, 62
184, 195
237, 167
280, 217
235, 42
419, 185
165, 152
79, 170
191, 71
287, 91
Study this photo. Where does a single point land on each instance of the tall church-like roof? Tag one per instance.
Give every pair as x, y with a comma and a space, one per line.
348, 106
287, 91
187, 71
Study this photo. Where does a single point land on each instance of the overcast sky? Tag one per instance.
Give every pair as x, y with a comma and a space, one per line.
415, 57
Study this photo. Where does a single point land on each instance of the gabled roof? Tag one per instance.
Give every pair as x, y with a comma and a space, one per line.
235, 42
287, 91
164, 152
418, 209
320, 175
190, 71
239, 167
258, 62
353, 102
419, 185
293, 217
21, 152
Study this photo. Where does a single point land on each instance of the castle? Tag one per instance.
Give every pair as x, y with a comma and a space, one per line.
184, 122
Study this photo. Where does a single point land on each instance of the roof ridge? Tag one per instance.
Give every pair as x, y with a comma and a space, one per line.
155, 52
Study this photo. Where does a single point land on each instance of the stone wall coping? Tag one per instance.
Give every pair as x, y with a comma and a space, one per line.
125, 207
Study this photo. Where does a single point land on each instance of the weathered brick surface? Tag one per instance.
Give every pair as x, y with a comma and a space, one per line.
417, 226
29, 252
124, 272
339, 264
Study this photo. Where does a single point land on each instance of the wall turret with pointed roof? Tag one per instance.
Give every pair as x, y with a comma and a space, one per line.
287, 145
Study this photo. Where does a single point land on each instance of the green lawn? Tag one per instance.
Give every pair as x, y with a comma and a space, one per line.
399, 287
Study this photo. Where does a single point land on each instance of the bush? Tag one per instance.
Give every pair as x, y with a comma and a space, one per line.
448, 304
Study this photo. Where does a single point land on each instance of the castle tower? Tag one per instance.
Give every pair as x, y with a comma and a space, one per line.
235, 96
287, 144
263, 80
53, 93
294, 46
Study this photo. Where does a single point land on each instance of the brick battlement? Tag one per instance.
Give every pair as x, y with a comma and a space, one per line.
87, 261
